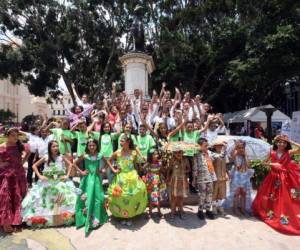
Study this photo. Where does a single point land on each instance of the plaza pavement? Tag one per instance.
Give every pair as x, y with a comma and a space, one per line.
223, 233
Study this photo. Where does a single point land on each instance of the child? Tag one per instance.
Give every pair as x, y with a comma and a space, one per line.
90, 210
153, 182
12, 181
177, 180
107, 142
277, 201
145, 143
51, 201
219, 186
203, 178
64, 138
240, 186
127, 193
128, 132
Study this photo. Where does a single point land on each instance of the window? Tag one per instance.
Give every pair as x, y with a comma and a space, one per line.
58, 112
53, 112
64, 112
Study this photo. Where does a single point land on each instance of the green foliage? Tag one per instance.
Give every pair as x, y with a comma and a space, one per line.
6, 115
297, 158
261, 171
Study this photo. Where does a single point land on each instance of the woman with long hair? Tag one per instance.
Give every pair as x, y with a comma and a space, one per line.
277, 201
51, 201
127, 193
13, 185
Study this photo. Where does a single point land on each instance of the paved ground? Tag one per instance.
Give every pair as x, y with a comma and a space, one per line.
224, 233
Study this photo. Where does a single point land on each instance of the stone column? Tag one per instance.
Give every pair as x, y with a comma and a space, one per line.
137, 67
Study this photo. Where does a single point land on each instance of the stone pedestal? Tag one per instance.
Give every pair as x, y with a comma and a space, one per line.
137, 67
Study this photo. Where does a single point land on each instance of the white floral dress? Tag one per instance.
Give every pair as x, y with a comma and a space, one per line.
51, 202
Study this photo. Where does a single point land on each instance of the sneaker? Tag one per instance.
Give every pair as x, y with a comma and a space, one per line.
210, 215
200, 215
129, 223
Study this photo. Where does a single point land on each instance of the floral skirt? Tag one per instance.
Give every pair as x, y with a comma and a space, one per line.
127, 195
277, 202
50, 203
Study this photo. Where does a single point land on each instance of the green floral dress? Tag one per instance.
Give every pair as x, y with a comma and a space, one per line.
127, 193
90, 204
52, 202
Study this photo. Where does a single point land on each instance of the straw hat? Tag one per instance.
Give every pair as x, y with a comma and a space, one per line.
217, 142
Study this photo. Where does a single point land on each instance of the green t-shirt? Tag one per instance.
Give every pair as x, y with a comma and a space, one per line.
176, 137
106, 144
82, 138
64, 147
191, 137
145, 143
133, 138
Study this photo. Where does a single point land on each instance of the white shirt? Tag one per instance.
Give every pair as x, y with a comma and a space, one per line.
43, 145
211, 135
33, 141
171, 123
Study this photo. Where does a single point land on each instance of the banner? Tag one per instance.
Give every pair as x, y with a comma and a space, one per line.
295, 127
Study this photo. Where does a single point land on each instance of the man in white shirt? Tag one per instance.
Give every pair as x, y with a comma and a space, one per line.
33, 140
213, 127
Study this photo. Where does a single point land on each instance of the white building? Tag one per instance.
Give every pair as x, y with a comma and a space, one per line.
57, 109
18, 100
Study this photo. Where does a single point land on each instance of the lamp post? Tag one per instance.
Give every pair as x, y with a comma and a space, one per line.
269, 112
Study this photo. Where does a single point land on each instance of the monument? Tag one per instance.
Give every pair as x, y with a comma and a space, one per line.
137, 65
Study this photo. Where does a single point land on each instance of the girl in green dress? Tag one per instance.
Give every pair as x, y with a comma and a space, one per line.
127, 193
90, 204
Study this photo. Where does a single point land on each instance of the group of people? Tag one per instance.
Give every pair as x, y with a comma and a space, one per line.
150, 151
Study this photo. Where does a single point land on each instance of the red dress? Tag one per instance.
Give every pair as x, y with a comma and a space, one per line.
13, 186
277, 201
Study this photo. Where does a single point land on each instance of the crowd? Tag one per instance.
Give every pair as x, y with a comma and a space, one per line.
150, 151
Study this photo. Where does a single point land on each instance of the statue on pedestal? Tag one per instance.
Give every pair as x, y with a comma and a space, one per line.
137, 30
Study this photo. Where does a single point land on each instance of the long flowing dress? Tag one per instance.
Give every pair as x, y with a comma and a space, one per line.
51, 202
13, 186
127, 192
277, 201
90, 209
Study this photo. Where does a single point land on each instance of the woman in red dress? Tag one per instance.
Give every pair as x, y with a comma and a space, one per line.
277, 201
12, 181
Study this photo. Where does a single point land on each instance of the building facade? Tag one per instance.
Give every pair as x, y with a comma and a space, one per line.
18, 100
57, 109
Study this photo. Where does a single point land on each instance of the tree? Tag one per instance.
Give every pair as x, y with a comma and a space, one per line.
75, 40
5, 115
235, 53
